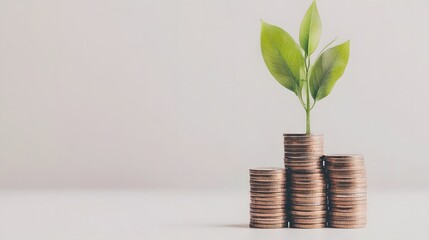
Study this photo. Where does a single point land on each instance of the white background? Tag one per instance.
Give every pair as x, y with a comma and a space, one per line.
175, 94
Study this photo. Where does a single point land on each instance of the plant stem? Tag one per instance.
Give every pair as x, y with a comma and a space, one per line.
308, 108
308, 131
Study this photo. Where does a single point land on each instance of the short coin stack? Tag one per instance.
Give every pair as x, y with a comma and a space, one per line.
307, 202
268, 198
347, 191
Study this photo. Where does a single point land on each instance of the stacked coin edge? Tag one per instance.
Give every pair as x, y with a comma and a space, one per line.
268, 198
347, 191
307, 203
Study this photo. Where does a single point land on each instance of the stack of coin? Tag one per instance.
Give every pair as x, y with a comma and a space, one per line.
347, 191
307, 202
268, 198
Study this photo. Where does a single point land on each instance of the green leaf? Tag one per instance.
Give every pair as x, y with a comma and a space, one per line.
282, 55
329, 67
311, 29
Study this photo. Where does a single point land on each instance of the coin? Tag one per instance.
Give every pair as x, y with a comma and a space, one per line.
307, 226
344, 222
274, 215
256, 202
333, 225
307, 213
309, 220
267, 226
272, 170
268, 211
268, 220
307, 207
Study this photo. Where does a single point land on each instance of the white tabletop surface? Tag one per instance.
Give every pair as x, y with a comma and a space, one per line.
147, 215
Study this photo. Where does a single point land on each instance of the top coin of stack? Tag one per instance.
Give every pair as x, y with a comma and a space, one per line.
268, 198
347, 191
306, 180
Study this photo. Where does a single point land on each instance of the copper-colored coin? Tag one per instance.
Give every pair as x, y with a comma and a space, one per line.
307, 213
268, 174
271, 219
307, 226
332, 175
349, 208
358, 165
363, 194
347, 226
333, 212
303, 159
308, 207
257, 206
273, 177
321, 195
257, 186
348, 198
267, 181
347, 181
345, 170
292, 141
267, 211
360, 190
309, 188
267, 226
344, 156
268, 202
313, 173
271, 180
309, 149
343, 222
310, 178
293, 164
351, 201
304, 148
315, 185
268, 221
269, 170
302, 135
309, 155
347, 184
281, 198
268, 195
309, 220
267, 190
269, 215
353, 189
303, 183
303, 168
292, 192
308, 199
348, 205
361, 218
304, 155
307, 203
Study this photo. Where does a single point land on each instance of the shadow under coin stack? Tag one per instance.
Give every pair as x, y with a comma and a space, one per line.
347, 191
307, 203
268, 198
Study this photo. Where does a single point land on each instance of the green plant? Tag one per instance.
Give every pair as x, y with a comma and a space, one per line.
290, 63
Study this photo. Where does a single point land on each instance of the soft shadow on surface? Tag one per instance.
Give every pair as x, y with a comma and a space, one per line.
238, 225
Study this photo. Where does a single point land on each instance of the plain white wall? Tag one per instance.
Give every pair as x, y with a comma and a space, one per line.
163, 94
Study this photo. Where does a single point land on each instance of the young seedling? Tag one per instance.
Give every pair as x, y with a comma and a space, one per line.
290, 63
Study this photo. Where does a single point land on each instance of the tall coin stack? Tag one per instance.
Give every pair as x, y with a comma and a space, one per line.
347, 191
268, 198
307, 202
